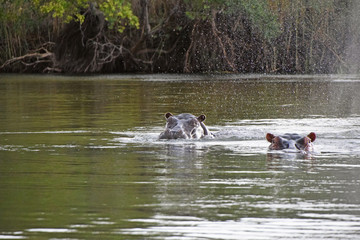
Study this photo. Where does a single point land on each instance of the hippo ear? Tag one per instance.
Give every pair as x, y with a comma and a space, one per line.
201, 118
167, 115
312, 136
270, 137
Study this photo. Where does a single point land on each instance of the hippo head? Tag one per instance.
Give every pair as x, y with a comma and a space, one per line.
291, 141
185, 126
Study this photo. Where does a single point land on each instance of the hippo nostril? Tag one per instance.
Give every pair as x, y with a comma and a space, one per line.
175, 134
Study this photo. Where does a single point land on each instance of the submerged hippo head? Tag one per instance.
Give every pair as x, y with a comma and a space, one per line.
291, 141
185, 126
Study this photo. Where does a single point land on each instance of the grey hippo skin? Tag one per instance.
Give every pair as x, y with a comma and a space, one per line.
291, 141
184, 126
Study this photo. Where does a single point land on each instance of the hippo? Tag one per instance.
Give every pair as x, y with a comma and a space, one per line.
291, 141
184, 126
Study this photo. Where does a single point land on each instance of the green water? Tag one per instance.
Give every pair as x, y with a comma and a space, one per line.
80, 158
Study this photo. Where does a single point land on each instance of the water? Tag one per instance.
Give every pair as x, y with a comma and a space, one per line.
80, 158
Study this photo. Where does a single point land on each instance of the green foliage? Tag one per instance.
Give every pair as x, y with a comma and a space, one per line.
285, 35
15, 22
62, 9
20, 19
262, 18
119, 14
257, 11
16, 14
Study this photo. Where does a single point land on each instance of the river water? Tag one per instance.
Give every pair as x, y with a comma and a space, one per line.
80, 158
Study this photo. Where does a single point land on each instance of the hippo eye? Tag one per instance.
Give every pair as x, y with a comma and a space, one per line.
193, 123
171, 122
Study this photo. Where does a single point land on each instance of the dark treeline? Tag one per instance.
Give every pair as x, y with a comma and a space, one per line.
241, 36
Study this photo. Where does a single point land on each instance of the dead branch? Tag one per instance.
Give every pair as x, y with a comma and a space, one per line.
223, 49
37, 56
187, 54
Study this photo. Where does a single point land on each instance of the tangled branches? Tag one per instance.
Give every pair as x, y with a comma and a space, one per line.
207, 40
40, 59
179, 36
83, 47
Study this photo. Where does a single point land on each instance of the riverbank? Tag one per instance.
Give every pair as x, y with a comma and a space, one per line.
181, 37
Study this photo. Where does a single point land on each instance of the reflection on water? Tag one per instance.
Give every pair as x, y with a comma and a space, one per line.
248, 228
80, 158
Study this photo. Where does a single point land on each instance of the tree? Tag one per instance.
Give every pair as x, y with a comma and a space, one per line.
273, 36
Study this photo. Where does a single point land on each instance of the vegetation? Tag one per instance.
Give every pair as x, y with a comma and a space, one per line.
264, 36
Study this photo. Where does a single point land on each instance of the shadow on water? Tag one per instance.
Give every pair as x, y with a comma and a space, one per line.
80, 157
